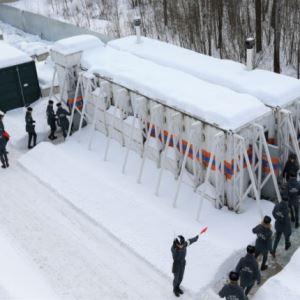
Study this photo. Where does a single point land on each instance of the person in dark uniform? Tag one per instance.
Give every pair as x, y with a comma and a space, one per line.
3, 152
282, 224
51, 120
1, 121
248, 270
290, 166
232, 291
263, 242
293, 187
178, 250
30, 127
63, 121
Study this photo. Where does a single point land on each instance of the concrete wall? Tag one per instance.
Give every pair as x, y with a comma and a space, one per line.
42, 26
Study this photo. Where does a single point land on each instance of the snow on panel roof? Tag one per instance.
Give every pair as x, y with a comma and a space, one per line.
10, 56
271, 88
76, 44
211, 103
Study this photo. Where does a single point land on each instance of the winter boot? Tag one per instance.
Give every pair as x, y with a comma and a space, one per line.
176, 292
180, 291
297, 225
264, 267
287, 245
273, 254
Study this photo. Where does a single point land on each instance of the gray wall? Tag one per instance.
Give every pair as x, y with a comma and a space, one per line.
46, 28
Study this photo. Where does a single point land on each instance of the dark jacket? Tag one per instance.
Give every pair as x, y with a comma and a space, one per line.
248, 271
263, 242
50, 115
232, 292
290, 167
293, 190
1, 125
282, 218
62, 117
29, 123
179, 254
2, 143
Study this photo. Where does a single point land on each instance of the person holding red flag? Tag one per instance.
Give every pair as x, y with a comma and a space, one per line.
178, 250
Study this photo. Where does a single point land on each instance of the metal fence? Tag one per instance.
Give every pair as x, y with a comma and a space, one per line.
47, 28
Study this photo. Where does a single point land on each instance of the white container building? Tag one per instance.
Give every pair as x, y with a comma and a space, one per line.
205, 132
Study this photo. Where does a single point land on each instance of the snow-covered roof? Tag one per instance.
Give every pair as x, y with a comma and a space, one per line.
10, 56
76, 44
271, 88
211, 103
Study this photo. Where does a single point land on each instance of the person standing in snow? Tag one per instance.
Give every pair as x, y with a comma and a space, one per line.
290, 166
293, 190
178, 250
232, 291
3, 152
30, 127
1, 121
282, 224
248, 270
263, 242
63, 121
51, 120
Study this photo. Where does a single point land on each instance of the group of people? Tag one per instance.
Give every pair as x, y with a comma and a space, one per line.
247, 271
53, 119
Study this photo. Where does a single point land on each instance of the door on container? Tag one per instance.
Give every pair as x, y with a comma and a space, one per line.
10, 91
29, 82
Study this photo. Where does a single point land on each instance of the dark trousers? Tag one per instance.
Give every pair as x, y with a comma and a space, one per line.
31, 135
294, 208
52, 131
178, 276
265, 257
247, 289
4, 158
278, 237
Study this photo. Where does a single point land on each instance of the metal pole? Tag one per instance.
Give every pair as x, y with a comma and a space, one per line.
144, 156
182, 168
74, 106
129, 144
110, 133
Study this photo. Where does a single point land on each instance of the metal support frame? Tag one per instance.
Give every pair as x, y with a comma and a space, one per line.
287, 136
260, 148
85, 83
194, 126
139, 113
241, 155
157, 109
217, 154
171, 131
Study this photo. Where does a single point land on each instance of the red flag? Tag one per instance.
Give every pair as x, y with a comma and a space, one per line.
203, 230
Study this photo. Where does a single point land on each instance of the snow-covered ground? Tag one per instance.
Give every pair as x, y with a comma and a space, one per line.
70, 176
285, 285
81, 230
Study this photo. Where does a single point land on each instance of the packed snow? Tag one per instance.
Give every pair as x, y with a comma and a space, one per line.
76, 44
211, 103
10, 56
20, 277
285, 285
271, 88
